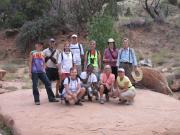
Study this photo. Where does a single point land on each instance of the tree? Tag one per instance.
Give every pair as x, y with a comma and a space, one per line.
153, 9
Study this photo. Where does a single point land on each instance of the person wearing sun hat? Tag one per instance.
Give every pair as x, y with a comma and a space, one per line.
110, 56
125, 88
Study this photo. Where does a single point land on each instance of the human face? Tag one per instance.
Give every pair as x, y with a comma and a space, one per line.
92, 45
73, 73
111, 45
66, 48
74, 40
108, 70
52, 44
38, 47
126, 43
121, 74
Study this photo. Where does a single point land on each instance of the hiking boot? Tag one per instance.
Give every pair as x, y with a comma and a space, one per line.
121, 101
37, 103
54, 100
128, 102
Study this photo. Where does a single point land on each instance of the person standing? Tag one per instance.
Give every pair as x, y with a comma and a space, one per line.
77, 51
37, 71
93, 57
51, 58
127, 59
110, 56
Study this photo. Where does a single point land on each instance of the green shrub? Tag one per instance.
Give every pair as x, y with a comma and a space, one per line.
100, 29
17, 20
37, 30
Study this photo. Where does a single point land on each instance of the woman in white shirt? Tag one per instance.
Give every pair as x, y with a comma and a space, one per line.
72, 88
65, 62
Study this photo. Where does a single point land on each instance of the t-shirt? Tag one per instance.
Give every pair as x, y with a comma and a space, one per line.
92, 78
76, 52
37, 62
124, 80
73, 84
66, 60
47, 53
107, 80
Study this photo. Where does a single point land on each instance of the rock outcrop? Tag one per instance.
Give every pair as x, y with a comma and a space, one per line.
153, 79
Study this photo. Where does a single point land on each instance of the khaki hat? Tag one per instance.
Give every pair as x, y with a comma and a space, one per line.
111, 40
137, 74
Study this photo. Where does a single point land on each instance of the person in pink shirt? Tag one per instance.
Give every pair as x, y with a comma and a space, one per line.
107, 80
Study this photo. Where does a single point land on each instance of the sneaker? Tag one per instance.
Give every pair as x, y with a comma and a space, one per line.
128, 103
121, 101
107, 97
101, 101
57, 96
37, 103
53, 100
78, 103
66, 101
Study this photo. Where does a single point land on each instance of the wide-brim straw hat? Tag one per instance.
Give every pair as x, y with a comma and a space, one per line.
137, 74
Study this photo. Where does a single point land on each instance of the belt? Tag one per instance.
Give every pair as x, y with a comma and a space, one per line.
125, 62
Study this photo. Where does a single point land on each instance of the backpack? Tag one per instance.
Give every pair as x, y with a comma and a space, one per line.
63, 57
79, 48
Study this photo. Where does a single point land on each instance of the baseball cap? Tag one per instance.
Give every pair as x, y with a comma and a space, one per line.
52, 40
74, 35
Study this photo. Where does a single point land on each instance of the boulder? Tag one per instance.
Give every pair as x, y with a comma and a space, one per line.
153, 79
2, 73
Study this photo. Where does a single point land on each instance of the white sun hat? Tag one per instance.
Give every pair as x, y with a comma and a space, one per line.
111, 40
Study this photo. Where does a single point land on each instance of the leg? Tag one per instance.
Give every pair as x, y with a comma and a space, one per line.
35, 87
57, 87
47, 84
101, 91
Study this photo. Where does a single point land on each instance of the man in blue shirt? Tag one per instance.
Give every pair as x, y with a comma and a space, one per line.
127, 59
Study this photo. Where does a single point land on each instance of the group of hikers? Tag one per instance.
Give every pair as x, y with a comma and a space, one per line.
76, 81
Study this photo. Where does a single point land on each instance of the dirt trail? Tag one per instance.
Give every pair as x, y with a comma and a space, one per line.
152, 114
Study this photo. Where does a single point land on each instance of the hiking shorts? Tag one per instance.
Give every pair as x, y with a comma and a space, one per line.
52, 74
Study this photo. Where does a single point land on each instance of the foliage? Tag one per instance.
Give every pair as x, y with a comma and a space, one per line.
13, 13
5, 129
111, 9
173, 2
100, 29
37, 30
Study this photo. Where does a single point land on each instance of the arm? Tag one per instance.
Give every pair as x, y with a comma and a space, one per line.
85, 61
134, 60
99, 61
118, 58
30, 64
104, 59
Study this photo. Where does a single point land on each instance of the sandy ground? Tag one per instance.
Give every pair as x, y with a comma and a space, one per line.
151, 114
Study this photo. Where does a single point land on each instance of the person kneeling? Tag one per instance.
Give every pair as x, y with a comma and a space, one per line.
89, 82
125, 88
72, 88
107, 80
